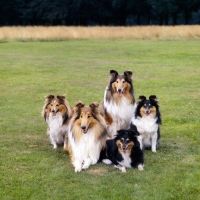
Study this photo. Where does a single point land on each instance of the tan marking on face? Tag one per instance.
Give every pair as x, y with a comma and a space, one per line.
152, 111
129, 145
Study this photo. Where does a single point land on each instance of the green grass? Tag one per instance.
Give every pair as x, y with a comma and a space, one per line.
31, 169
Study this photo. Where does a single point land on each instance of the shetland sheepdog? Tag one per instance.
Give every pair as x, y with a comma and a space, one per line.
119, 104
123, 151
87, 136
147, 119
57, 113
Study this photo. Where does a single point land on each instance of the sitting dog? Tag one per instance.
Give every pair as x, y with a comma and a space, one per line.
87, 136
118, 104
57, 113
123, 151
147, 119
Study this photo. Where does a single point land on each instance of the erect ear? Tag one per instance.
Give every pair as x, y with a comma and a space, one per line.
141, 98
113, 74
154, 98
94, 106
78, 106
128, 74
61, 98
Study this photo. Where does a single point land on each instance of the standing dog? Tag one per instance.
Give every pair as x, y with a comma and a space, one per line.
87, 136
57, 113
118, 105
147, 119
124, 150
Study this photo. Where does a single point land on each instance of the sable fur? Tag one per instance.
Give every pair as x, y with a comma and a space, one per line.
147, 119
123, 151
118, 104
57, 113
87, 136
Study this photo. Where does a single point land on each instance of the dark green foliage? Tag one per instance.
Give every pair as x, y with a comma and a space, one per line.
98, 12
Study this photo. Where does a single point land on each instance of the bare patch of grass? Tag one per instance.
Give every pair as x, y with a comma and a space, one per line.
97, 32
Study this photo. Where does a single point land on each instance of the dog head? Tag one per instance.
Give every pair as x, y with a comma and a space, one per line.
86, 116
120, 83
55, 104
147, 107
126, 140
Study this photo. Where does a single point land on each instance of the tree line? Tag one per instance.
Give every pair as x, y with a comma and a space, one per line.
99, 12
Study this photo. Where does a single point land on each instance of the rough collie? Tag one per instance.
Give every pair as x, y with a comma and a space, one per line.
119, 104
124, 150
57, 113
147, 119
87, 136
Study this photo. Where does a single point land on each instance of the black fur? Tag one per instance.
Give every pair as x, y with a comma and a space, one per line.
112, 153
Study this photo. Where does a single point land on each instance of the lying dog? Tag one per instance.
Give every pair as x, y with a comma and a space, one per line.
123, 151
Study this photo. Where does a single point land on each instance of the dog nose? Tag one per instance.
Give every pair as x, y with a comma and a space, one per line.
119, 90
83, 127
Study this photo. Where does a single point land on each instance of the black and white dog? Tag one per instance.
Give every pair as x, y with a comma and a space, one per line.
124, 151
147, 119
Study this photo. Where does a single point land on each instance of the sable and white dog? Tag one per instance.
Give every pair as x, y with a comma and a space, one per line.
147, 119
119, 104
57, 113
87, 136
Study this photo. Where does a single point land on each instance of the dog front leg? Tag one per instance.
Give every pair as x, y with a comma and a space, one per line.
87, 163
53, 141
78, 165
154, 142
139, 138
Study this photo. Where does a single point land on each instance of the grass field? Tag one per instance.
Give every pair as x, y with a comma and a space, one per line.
31, 169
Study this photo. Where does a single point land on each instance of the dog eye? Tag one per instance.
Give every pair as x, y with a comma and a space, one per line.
56, 104
51, 104
117, 81
88, 116
123, 81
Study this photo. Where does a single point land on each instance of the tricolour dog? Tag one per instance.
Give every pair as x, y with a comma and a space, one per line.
87, 136
147, 119
57, 113
123, 150
119, 104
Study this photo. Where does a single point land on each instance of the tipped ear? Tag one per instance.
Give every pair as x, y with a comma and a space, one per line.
141, 98
113, 74
119, 132
50, 97
61, 98
154, 98
133, 130
128, 74
78, 106
94, 106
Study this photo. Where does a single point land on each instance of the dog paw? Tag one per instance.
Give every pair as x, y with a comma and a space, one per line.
140, 167
123, 169
153, 150
77, 169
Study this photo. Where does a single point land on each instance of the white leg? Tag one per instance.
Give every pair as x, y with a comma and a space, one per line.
154, 142
140, 167
78, 165
53, 141
139, 138
87, 163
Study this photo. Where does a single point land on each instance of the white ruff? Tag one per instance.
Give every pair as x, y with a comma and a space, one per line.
57, 130
126, 162
121, 114
85, 151
147, 127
